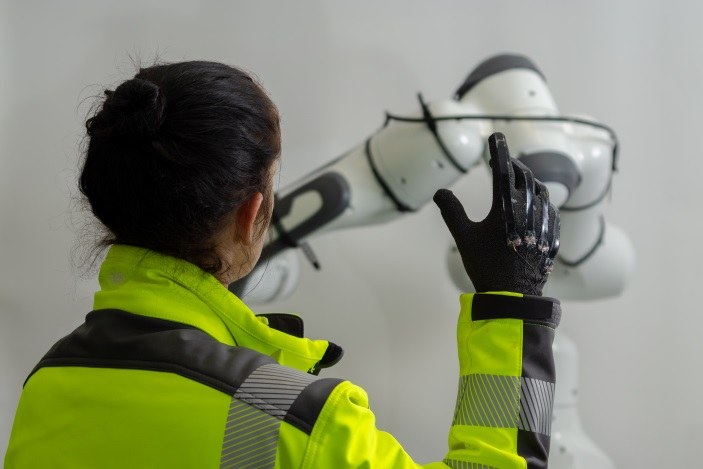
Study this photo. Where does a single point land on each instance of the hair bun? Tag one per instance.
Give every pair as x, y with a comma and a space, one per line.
134, 110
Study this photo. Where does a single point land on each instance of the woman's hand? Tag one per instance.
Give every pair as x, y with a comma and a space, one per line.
513, 248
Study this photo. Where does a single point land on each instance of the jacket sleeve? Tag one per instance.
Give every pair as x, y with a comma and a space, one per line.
503, 410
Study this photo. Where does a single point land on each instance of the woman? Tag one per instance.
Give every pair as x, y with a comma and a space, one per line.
172, 370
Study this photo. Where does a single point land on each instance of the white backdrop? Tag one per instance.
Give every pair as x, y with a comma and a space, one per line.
333, 67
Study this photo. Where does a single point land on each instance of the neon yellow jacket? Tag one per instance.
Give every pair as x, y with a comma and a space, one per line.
172, 370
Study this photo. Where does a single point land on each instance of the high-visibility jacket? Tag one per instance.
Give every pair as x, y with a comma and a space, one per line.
172, 370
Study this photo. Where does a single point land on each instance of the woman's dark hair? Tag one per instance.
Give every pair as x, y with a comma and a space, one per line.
174, 151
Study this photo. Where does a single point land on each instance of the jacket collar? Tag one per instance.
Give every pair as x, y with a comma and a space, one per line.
151, 284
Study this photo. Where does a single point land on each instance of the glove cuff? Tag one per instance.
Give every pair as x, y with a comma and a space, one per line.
501, 305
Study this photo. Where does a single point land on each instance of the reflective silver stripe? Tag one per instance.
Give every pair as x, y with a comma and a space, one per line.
505, 402
454, 464
251, 438
255, 414
536, 402
488, 401
273, 388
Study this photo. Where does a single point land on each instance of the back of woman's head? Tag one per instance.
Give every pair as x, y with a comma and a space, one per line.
174, 151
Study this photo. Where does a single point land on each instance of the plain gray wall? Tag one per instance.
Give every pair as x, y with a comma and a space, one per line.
333, 67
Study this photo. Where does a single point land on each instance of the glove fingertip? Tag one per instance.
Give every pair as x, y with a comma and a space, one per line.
442, 196
448, 203
452, 209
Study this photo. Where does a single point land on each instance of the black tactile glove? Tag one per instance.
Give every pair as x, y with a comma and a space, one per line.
513, 248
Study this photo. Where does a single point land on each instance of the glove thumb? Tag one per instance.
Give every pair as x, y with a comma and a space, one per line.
453, 214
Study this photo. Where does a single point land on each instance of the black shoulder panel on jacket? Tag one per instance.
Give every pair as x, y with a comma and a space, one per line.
306, 408
118, 339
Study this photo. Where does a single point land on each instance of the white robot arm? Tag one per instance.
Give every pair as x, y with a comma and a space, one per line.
399, 168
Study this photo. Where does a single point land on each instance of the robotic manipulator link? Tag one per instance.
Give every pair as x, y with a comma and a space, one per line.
398, 169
